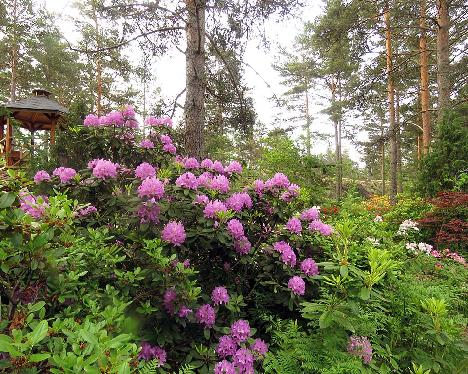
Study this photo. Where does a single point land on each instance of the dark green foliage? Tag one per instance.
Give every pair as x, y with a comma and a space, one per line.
446, 166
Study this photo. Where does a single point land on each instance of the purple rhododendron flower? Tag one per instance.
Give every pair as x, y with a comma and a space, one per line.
235, 228
165, 139
149, 211
218, 167
294, 225
260, 347
360, 346
174, 232
288, 256
151, 187
213, 208
233, 167
184, 311
237, 201
145, 170
187, 180
65, 174
242, 246
220, 295
321, 227
147, 144
310, 214
87, 211
220, 183
297, 285
207, 163
224, 367
259, 186
91, 120
226, 346
201, 200
309, 267
191, 163
279, 180
150, 352
244, 360
205, 178
170, 148
240, 330
35, 206
170, 295
41, 176
206, 315
105, 169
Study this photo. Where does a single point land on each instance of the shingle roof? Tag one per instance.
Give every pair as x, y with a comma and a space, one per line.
40, 102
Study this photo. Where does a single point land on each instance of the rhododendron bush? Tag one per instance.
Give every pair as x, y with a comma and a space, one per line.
148, 260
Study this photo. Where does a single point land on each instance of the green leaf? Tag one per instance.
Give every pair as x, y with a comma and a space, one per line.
124, 368
37, 357
6, 199
36, 307
90, 338
118, 340
344, 271
364, 294
325, 320
206, 334
39, 333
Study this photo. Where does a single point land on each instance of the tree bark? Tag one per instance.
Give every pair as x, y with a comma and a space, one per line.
382, 154
195, 78
424, 70
97, 62
391, 105
398, 140
14, 54
443, 58
336, 122
307, 142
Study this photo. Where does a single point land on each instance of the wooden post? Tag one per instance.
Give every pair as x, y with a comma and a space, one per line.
9, 136
52, 132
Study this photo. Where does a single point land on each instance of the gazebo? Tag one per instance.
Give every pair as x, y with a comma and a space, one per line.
37, 112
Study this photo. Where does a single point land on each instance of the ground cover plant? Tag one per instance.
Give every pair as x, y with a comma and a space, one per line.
147, 261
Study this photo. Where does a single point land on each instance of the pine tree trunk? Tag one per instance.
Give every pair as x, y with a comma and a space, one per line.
14, 55
308, 140
195, 78
423, 56
391, 104
97, 62
443, 58
382, 153
398, 140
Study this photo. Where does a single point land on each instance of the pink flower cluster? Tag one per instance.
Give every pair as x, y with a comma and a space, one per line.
35, 206
65, 174
238, 201
360, 346
161, 121
213, 208
220, 183
115, 118
187, 180
322, 228
206, 315
174, 232
428, 250
87, 211
294, 225
147, 144
236, 229
242, 245
103, 169
242, 358
41, 176
191, 163
145, 170
234, 167
148, 211
150, 352
287, 254
297, 285
220, 295
151, 187
311, 214
168, 146
309, 267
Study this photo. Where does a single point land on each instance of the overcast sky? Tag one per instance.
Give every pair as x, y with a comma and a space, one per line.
169, 70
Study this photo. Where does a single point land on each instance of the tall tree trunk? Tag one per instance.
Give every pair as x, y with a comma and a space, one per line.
337, 125
382, 154
308, 140
443, 58
14, 54
97, 61
423, 57
391, 104
195, 78
398, 140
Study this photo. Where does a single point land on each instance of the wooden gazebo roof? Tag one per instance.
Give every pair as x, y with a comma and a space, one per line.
38, 112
